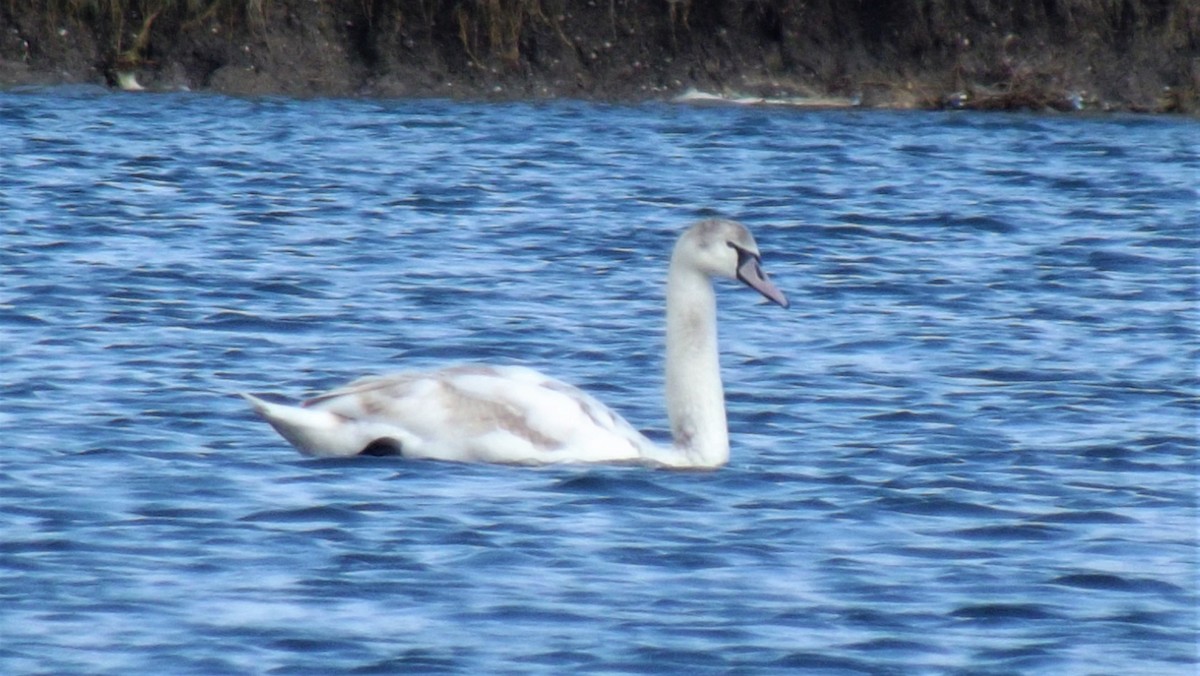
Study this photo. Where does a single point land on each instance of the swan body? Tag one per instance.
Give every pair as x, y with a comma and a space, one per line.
516, 415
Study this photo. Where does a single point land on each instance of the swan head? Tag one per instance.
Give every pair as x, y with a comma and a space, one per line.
723, 248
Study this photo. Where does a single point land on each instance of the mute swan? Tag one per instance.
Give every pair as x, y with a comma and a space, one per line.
513, 414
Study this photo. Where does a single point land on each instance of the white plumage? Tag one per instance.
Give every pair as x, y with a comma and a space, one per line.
513, 414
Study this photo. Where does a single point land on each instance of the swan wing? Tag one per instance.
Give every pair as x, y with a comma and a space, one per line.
507, 414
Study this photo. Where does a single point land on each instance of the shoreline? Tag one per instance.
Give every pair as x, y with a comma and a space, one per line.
1062, 55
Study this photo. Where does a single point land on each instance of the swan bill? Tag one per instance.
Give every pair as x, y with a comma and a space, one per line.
750, 272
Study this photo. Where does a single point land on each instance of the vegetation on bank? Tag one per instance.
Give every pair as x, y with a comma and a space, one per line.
1060, 54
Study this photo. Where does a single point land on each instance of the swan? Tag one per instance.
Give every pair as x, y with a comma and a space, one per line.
516, 415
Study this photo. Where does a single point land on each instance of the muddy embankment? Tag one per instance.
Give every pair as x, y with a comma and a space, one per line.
1141, 55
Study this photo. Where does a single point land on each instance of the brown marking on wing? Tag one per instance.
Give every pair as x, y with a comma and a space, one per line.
397, 384
480, 415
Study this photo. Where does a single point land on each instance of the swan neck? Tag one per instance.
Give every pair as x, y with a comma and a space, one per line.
694, 393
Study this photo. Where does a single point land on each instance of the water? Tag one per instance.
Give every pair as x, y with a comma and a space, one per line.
968, 447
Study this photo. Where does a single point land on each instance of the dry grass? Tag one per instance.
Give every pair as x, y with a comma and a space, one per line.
493, 29
124, 29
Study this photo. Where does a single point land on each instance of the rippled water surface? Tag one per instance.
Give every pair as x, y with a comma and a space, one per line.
970, 446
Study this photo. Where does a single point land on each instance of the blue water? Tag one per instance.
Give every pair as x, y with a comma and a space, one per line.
970, 446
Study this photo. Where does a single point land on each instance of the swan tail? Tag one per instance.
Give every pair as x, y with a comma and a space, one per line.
312, 431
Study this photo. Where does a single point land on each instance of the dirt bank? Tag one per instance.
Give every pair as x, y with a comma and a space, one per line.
1141, 55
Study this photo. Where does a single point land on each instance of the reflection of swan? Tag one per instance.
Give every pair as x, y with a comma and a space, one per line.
512, 414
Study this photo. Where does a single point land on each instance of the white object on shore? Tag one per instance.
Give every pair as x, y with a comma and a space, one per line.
127, 81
